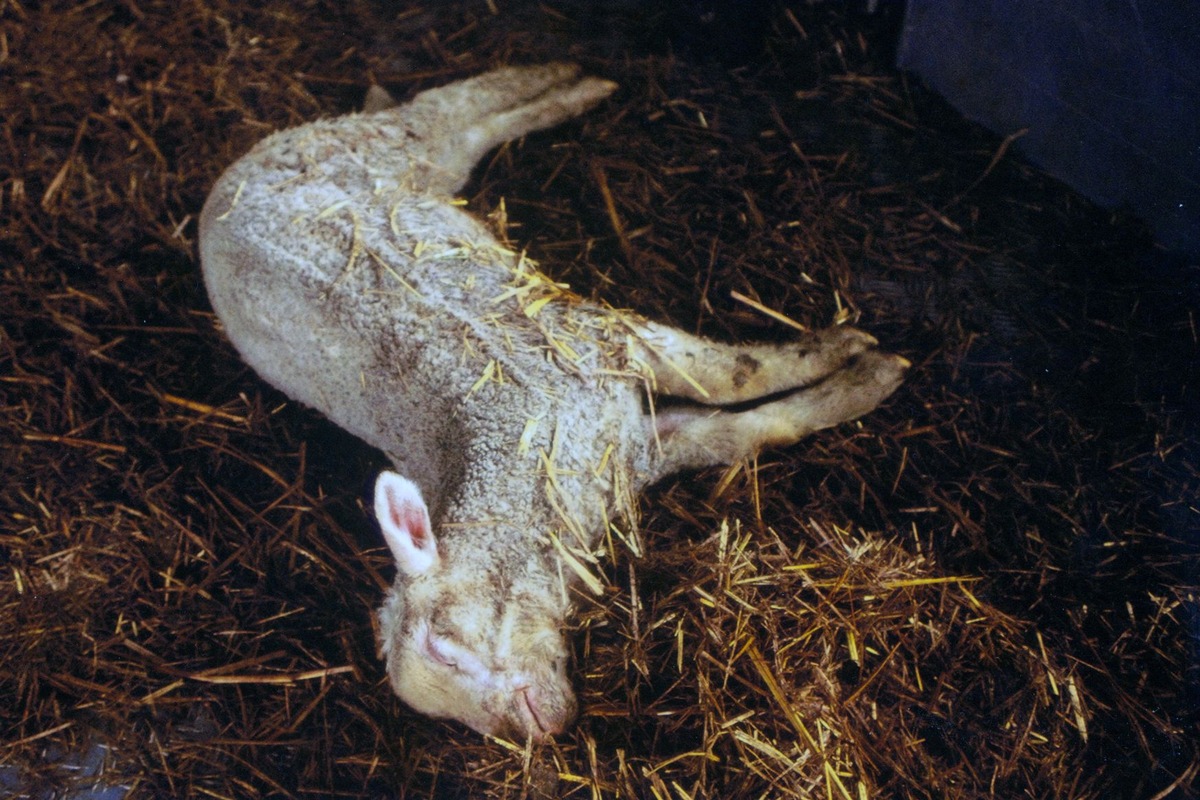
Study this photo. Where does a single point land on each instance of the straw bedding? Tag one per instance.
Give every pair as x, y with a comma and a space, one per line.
987, 587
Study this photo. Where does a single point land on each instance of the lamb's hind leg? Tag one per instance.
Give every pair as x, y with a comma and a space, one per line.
709, 372
469, 118
697, 437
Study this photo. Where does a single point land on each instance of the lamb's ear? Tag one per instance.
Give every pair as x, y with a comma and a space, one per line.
378, 99
404, 520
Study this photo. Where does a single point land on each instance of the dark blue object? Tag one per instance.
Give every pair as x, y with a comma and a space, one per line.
1109, 92
77, 776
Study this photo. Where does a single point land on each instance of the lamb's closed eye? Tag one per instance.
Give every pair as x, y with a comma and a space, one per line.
441, 651
449, 654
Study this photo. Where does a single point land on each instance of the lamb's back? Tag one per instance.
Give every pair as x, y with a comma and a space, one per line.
398, 315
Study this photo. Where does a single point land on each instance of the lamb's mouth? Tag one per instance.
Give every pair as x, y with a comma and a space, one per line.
530, 710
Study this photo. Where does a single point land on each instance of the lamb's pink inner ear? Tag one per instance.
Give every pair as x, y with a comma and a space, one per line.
404, 520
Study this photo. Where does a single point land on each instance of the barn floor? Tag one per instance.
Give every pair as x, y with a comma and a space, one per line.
987, 587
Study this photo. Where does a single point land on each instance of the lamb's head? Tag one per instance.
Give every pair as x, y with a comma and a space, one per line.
463, 642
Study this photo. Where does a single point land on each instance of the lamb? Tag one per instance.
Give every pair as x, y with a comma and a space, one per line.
521, 419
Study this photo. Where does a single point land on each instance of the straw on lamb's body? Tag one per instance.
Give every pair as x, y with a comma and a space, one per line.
346, 277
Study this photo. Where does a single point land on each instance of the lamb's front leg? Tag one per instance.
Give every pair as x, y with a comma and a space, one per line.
696, 436
704, 371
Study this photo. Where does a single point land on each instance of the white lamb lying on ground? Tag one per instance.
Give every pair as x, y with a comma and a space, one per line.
520, 415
